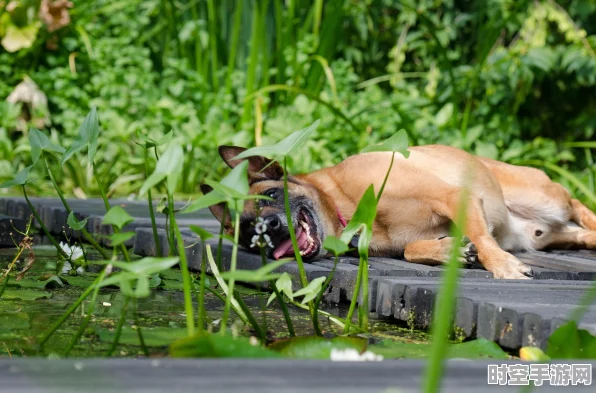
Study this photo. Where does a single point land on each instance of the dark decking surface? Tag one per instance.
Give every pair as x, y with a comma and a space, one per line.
245, 375
513, 313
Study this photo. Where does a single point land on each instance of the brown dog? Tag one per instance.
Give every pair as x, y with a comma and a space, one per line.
510, 208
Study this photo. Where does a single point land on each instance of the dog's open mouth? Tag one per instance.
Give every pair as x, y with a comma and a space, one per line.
306, 237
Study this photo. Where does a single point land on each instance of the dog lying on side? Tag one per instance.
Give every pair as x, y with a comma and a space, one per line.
510, 208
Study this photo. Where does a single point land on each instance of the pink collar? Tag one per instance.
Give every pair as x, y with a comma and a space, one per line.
342, 220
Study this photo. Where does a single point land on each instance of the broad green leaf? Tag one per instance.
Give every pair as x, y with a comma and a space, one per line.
314, 347
283, 148
397, 143
117, 216
145, 266
25, 294
204, 201
264, 273
311, 290
476, 349
532, 354
79, 281
237, 179
201, 233
119, 238
53, 281
444, 115
74, 224
17, 38
152, 336
335, 246
569, 342
216, 346
40, 142
283, 285
87, 137
168, 167
249, 276
487, 150
20, 178
362, 220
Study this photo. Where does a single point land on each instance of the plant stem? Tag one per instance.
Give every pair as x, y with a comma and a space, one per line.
139, 331
354, 299
85, 322
43, 227
212, 42
320, 296
443, 310
386, 178
118, 330
226, 313
280, 300
201, 300
251, 319
86, 234
218, 256
6, 274
151, 211
106, 203
186, 280
302, 272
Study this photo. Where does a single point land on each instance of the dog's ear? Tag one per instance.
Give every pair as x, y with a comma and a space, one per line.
219, 209
259, 168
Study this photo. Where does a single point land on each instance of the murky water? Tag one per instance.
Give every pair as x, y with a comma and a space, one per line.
26, 313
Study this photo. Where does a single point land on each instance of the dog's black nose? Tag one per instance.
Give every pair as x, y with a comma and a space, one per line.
273, 223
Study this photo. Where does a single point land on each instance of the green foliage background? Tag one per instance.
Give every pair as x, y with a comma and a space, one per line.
507, 79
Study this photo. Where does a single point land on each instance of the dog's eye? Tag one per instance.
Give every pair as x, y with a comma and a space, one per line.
271, 193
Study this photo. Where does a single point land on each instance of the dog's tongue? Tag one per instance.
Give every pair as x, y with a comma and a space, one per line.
285, 248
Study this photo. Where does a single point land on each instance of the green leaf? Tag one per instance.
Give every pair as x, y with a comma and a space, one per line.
315, 347
283, 285
204, 201
150, 143
53, 281
152, 336
311, 290
476, 349
117, 216
40, 142
444, 115
25, 294
397, 143
362, 221
533, 354
17, 38
203, 234
119, 238
168, 167
335, 246
569, 342
283, 148
145, 266
262, 274
20, 178
74, 224
216, 346
87, 137
487, 150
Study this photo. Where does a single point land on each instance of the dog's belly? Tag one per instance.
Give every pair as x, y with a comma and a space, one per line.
405, 222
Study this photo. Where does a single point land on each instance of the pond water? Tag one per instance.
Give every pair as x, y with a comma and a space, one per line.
29, 306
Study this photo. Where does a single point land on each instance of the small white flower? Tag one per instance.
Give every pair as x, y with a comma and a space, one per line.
352, 355
66, 267
267, 240
80, 270
261, 241
73, 252
254, 241
260, 226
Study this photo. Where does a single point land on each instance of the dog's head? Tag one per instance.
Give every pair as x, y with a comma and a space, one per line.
312, 215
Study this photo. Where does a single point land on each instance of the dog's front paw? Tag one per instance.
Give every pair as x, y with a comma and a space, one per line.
509, 267
469, 255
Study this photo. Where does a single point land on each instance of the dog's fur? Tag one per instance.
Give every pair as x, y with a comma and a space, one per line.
510, 208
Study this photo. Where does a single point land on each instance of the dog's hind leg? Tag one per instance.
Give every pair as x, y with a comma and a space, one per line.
438, 251
571, 237
582, 216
